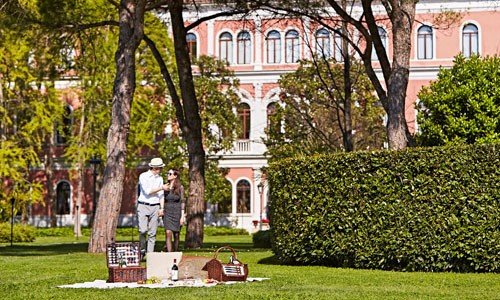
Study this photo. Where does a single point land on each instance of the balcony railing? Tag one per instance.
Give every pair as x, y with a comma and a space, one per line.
243, 146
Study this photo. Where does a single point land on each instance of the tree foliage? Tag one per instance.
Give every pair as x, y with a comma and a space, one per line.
310, 117
84, 36
463, 105
29, 107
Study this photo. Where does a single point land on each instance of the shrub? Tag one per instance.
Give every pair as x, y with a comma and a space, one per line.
21, 233
220, 231
133, 231
262, 239
433, 209
66, 231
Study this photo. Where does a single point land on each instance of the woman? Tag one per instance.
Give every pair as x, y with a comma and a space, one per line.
173, 215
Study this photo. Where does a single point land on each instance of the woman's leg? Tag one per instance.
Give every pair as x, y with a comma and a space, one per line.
176, 241
168, 240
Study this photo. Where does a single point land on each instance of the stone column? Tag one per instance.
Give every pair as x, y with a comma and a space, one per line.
258, 45
211, 38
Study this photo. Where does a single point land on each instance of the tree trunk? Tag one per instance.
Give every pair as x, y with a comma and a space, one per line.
77, 230
110, 198
190, 124
347, 134
3, 135
396, 76
81, 177
402, 23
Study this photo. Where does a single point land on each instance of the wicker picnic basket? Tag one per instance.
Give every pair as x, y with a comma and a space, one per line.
124, 263
232, 271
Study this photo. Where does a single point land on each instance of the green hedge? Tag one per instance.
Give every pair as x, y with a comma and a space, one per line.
68, 231
262, 239
20, 233
432, 209
222, 231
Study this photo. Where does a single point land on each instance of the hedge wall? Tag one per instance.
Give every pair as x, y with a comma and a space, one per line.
432, 209
20, 233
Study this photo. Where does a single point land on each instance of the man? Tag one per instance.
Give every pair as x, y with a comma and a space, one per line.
150, 204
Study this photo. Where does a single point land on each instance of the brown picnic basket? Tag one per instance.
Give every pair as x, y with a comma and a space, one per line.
123, 260
235, 270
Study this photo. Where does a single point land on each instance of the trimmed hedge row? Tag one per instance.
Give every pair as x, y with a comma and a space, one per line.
20, 233
432, 209
68, 231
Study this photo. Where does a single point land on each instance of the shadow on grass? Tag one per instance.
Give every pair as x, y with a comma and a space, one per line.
43, 250
214, 246
271, 260
75, 247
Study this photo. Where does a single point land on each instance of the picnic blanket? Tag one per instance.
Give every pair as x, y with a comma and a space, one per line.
102, 284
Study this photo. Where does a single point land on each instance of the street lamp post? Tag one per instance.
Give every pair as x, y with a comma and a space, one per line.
12, 201
95, 162
260, 187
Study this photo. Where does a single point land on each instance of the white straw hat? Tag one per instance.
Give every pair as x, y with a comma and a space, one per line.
156, 163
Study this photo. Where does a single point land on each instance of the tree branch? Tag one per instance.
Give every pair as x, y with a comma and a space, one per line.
220, 14
168, 79
93, 25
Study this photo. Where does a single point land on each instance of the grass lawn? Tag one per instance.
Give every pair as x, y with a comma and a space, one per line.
33, 270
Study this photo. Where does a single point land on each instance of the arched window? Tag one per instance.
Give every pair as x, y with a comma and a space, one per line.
243, 196
244, 47
63, 192
273, 47
383, 38
424, 42
192, 45
337, 44
244, 119
292, 49
65, 130
323, 43
226, 47
470, 40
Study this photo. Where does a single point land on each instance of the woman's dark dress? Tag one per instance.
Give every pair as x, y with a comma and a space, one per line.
172, 212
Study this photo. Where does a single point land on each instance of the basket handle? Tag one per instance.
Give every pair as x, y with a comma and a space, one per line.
224, 247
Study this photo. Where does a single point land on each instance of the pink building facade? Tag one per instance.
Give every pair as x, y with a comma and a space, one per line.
260, 49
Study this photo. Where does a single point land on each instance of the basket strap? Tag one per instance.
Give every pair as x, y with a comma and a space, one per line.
224, 247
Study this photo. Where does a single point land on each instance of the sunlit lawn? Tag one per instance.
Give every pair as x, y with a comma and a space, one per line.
34, 270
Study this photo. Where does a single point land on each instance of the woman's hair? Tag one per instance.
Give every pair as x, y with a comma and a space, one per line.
177, 182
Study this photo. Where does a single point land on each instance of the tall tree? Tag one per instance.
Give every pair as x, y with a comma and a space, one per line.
312, 116
399, 17
131, 16
94, 65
